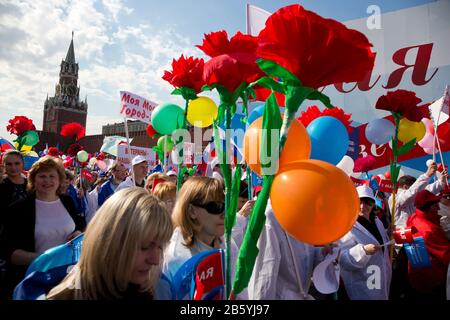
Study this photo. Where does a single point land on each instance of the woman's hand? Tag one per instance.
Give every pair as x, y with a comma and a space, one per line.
371, 248
247, 208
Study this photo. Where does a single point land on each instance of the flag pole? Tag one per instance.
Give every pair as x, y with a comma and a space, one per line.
129, 148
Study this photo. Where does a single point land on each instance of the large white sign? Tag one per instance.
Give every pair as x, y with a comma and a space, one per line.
124, 156
412, 52
136, 107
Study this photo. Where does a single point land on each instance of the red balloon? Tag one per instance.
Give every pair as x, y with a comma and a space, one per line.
387, 174
150, 131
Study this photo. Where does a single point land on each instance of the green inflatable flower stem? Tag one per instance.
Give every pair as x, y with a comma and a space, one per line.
295, 94
187, 94
394, 170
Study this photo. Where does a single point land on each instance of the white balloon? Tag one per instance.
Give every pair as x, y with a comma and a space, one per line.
346, 164
429, 162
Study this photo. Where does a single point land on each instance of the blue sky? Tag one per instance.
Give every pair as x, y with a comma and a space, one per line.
119, 45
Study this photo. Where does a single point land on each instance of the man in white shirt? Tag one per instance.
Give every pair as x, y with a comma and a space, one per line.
408, 187
140, 168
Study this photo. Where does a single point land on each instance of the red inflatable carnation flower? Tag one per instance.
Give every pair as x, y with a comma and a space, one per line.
73, 149
364, 164
53, 151
73, 130
19, 125
186, 72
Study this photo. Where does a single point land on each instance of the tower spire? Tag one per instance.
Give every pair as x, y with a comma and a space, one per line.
70, 57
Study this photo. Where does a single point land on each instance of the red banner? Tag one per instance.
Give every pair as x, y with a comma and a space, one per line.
209, 278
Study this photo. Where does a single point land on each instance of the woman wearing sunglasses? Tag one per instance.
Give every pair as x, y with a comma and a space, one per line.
365, 263
199, 220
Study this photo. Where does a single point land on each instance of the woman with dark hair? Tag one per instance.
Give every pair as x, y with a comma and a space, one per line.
42, 220
13, 186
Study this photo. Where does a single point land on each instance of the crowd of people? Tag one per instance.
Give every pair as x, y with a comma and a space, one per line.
138, 230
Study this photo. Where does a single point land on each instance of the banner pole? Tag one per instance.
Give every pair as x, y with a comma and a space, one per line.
127, 135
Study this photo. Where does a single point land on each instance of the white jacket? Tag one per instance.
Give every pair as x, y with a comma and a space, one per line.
176, 254
404, 199
366, 277
276, 275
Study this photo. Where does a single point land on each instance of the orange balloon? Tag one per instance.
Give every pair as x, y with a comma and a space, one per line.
297, 147
314, 201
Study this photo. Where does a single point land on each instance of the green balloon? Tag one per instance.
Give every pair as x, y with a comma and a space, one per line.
165, 143
29, 138
166, 118
82, 156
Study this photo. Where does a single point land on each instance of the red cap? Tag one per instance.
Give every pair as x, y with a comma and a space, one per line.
424, 198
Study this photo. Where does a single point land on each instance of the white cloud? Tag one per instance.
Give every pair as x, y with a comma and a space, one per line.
115, 7
35, 36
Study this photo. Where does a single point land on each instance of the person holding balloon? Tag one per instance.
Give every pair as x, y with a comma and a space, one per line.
42, 220
284, 265
408, 187
364, 260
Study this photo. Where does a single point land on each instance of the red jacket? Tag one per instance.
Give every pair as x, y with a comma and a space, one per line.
430, 279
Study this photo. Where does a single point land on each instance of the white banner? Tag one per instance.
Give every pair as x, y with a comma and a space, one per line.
124, 157
412, 52
136, 107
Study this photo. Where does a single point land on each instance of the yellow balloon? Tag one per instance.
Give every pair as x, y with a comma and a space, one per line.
408, 130
24, 149
202, 112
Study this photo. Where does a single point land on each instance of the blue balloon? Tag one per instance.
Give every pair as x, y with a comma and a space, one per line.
380, 131
329, 139
255, 114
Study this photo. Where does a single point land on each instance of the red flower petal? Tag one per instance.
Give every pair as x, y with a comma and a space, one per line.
73, 130
318, 51
73, 149
53, 151
405, 103
364, 164
215, 43
313, 112
233, 61
186, 72
19, 125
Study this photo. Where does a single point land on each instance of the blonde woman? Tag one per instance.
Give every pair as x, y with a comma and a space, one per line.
122, 250
167, 193
199, 217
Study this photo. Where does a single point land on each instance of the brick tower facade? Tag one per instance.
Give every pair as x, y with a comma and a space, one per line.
65, 106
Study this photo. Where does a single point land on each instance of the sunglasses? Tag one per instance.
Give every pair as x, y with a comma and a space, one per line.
212, 207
